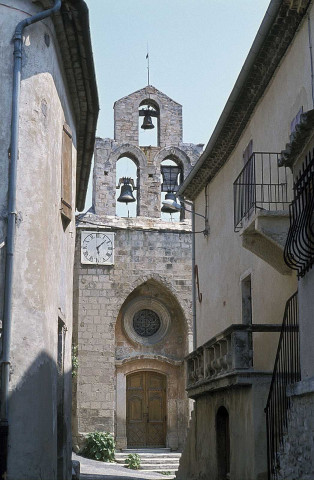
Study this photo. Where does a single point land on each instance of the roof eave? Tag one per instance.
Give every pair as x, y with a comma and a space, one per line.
246, 92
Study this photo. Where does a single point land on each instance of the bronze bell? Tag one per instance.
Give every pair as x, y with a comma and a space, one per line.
126, 194
147, 122
167, 208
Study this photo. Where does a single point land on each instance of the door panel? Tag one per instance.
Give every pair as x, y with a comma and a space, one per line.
146, 409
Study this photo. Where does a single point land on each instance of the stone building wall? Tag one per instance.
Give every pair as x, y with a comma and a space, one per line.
126, 117
296, 457
152, 266
151, 263
39, 418
244, 405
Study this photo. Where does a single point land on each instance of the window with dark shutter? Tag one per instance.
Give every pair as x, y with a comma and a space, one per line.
66, 174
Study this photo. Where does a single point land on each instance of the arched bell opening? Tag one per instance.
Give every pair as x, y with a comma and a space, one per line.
223, 443
171, 172
127, 181
149, 123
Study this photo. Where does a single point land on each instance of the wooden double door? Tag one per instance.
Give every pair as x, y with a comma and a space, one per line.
146, 417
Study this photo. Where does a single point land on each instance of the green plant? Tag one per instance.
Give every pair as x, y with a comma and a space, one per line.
99, 446
133, 461
75, 362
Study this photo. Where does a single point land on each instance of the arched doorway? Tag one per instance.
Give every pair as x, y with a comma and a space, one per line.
146, 415
223, 443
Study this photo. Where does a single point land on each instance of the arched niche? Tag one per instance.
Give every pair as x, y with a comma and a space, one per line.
149, 137
164, 355
171, 336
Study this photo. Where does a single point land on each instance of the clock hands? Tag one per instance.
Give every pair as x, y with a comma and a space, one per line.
97, 248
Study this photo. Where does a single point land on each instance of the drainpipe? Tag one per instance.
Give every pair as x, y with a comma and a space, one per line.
10, 241
193, 281
311, 56
194, 327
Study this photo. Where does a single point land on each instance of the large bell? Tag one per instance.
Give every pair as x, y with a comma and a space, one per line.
169, 208
147, 122
126, 195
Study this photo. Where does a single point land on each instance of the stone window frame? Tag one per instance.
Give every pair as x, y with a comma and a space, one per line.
143, 303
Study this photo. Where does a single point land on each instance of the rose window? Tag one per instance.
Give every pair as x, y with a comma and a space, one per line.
146, 323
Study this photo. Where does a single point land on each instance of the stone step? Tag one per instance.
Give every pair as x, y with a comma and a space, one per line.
159, 460
159, 470
160, 466
168, 476
174, 464
145, 450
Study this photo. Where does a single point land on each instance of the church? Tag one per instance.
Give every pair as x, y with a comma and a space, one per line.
133, 281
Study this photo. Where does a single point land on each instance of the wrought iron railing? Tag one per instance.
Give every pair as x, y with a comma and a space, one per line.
286, 372
263, 185
299, 248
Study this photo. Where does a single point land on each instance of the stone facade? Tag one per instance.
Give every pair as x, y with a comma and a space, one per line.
152, 270
296, 455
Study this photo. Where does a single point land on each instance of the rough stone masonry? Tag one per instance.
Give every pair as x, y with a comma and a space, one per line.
151, 272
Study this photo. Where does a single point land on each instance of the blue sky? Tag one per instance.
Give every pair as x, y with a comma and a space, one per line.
196, 48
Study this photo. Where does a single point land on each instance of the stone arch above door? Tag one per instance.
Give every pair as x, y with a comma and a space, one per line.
146, 409
169, 339
176, 399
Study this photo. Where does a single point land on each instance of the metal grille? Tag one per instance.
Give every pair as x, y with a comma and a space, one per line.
262, 185
170, 178
299, 248
146, 323
286, 372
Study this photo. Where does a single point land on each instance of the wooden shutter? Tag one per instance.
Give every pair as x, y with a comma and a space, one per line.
66, 174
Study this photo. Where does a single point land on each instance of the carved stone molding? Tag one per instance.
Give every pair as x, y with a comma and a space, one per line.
156, 310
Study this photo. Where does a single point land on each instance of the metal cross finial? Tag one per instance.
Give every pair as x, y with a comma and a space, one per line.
147, 58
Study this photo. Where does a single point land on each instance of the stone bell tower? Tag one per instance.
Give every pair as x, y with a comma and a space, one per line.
133, 319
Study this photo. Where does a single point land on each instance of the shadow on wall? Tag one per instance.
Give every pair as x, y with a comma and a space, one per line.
39, 440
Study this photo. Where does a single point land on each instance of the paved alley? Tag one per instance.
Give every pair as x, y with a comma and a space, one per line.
94, 470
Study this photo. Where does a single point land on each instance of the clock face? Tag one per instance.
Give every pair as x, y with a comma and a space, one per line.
97, 248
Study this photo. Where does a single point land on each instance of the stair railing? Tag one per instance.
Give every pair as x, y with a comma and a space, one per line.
286, 372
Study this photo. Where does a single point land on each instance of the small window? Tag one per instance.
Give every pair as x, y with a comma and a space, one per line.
246, 300
66, 175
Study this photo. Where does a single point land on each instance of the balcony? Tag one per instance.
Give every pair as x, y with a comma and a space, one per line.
225, 360
299, 248
262, 194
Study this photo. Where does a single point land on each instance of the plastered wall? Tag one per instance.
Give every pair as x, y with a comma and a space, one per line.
44, 251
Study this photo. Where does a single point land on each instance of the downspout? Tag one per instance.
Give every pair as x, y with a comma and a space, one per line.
311, 56
10, 240
194, 326
193, 281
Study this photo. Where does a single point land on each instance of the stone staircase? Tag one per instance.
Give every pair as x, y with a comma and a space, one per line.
158, 460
